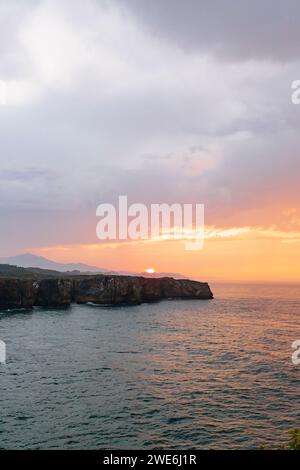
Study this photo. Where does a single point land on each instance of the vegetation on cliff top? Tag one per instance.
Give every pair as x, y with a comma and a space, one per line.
17, 272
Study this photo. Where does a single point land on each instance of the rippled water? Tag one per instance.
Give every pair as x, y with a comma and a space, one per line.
176, 374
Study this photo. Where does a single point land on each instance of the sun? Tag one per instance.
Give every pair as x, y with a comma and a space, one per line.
150, 270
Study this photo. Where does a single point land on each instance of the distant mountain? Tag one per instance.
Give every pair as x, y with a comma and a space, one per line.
29, 260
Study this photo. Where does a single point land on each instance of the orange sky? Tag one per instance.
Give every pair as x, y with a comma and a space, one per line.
243, 254
160, 110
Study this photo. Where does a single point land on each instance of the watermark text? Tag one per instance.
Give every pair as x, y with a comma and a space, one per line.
2, 352
157, 222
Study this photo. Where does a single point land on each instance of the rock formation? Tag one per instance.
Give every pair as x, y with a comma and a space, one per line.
98, 289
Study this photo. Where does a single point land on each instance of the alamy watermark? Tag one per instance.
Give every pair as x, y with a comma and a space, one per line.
295, 96
2, 352
296, 353
157, 222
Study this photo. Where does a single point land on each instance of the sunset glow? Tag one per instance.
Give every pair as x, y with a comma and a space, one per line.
150, 229
174, 136
237, 253
150, 271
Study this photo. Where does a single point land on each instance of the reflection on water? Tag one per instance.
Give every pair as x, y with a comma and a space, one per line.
186, 374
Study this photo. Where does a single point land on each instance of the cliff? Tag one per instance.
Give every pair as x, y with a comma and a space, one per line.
98, 289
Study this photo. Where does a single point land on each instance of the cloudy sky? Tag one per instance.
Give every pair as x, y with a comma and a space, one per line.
162, 101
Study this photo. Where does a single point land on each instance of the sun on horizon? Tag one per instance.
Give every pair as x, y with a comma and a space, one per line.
150, 270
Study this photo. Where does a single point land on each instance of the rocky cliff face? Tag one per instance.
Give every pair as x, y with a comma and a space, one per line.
99, 289
17, 293
53, 293
136, 290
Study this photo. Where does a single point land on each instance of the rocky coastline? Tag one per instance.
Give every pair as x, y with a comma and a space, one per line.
97, 289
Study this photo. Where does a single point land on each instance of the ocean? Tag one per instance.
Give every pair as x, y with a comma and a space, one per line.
213, 374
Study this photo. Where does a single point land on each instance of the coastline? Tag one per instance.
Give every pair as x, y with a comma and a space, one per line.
98, 289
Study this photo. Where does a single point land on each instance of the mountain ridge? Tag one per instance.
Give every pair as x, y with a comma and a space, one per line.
29, 260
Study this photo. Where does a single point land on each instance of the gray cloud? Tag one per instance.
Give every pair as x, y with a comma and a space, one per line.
109, 98
231, 29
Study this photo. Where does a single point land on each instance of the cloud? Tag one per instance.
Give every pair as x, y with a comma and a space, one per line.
117, 97
231, 30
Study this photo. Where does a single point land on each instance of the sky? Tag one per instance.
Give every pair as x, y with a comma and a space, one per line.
164, 102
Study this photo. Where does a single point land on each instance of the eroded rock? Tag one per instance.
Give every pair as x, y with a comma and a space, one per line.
98, 289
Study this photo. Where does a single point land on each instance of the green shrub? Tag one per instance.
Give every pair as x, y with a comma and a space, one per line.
294, 443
